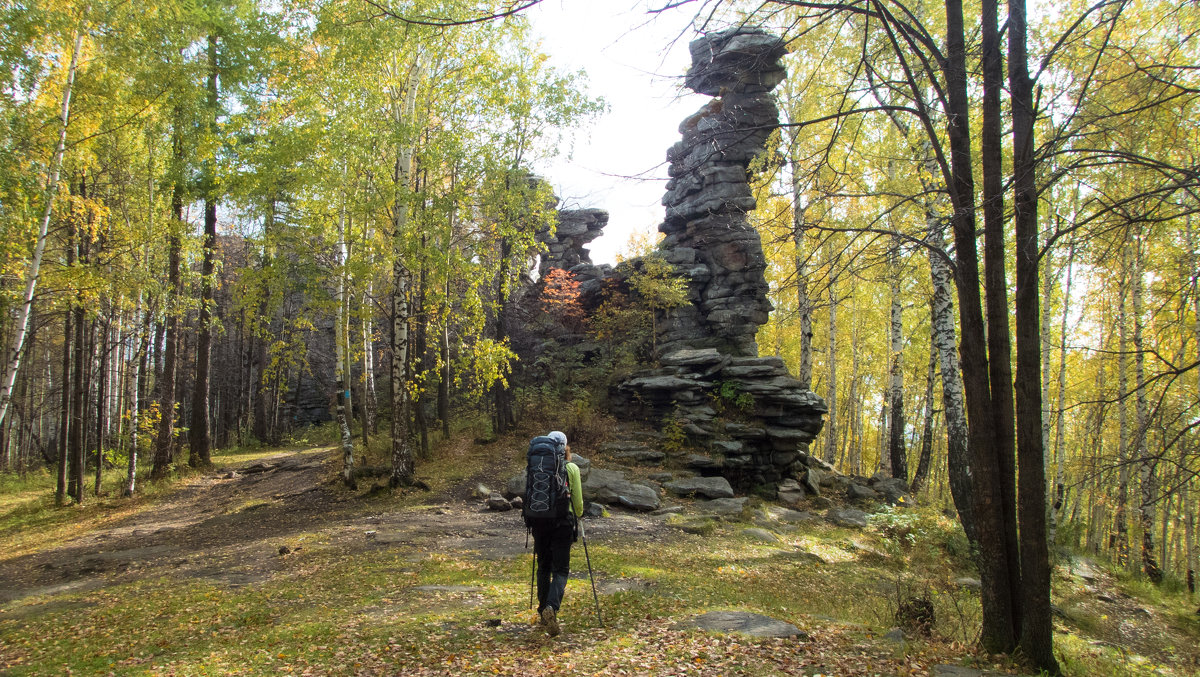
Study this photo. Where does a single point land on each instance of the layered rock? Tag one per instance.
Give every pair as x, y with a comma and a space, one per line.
565, 247
707, 236
760, 435
754, 419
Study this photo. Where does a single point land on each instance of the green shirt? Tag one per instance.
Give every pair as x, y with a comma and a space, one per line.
576, 489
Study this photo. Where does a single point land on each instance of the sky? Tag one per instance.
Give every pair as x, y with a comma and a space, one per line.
636, 61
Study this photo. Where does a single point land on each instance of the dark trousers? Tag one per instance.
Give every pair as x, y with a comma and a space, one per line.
552, 546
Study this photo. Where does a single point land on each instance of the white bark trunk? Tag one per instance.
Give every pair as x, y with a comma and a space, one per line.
1189, 501
803, 303
855, 451
341, 343
942, 328
402, 458
896, 450
1147, 463
21, 327
1058, 501
1122, 526
369, 396
831, 423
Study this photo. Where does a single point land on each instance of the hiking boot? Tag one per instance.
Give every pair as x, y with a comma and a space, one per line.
550, 620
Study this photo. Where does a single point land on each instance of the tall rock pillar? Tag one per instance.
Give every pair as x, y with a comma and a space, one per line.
754, 418
707, 236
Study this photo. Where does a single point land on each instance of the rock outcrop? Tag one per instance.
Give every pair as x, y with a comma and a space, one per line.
707, 236
565, 248
754, 419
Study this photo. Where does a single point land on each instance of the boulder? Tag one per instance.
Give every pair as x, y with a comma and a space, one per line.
515, 486
893, 489
709, 487
812, 481
724, 507
790, 492
611, 487
847, 517
857, 492
584, 465
638, 497
701, 462
498, 503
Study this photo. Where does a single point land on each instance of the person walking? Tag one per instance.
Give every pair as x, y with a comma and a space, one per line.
553, 534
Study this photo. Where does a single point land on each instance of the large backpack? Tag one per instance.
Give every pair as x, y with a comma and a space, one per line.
547, 493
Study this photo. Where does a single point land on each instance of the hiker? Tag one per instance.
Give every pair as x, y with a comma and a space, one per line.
553, 506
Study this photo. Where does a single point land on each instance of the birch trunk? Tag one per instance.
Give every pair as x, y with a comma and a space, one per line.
855, 453
1048, 282
1060, 490
402, 457
942, 328
1189, 500
139, 385
101, 405
1121, 544
1189, 540
831, 422
923, 464
341, 343
1097, 512
1146, 462
896, 450
21, 327
803, 303
368, 402
75, 482
64, 419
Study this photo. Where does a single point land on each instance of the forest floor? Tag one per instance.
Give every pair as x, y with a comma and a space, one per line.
267, 565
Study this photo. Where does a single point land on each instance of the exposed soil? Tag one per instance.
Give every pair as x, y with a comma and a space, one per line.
230, 525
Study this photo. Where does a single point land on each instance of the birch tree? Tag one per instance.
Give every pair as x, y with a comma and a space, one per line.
21, 324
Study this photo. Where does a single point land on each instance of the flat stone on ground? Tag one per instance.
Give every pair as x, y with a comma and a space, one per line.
709, 487
743, 622
761, 534
723, 506
847, 517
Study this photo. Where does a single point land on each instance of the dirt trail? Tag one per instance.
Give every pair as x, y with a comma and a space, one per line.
229, 525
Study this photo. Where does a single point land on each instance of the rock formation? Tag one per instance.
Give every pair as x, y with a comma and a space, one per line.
707, 236
747, 410
565, 247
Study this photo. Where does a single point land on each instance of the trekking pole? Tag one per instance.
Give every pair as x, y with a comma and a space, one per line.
532, 570
586, 556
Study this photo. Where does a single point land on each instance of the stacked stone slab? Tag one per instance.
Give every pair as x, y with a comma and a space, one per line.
707, 236
707, 348
758, 445
565, 247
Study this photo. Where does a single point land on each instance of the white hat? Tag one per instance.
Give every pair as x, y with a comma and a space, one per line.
559, 437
